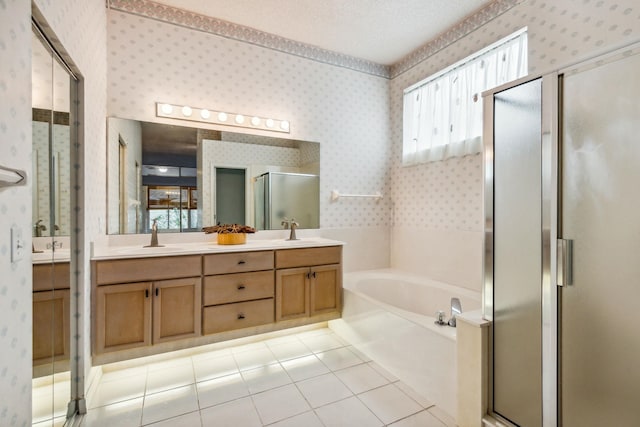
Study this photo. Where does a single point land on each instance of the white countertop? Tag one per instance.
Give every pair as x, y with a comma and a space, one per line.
176, 249
48, 256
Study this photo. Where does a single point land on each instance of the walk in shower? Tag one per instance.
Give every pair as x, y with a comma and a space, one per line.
562, 245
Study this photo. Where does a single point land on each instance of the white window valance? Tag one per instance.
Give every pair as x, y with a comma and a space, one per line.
442, 115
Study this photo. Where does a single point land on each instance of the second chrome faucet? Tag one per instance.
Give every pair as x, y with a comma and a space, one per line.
292, 225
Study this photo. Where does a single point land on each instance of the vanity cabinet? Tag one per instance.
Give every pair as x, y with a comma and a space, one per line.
238, 291
51, 313
308, 282
131, 313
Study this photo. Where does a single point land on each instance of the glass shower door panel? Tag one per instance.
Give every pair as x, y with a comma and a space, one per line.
600, 315
517, 270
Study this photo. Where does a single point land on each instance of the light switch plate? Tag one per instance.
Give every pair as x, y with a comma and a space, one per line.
17, 244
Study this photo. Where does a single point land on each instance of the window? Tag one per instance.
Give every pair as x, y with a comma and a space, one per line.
443, 113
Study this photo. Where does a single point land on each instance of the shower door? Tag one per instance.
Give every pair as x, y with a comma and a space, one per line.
599, 383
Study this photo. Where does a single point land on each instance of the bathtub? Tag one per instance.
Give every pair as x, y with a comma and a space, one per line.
389, 316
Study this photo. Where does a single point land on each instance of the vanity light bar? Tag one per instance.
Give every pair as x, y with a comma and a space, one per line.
185, 112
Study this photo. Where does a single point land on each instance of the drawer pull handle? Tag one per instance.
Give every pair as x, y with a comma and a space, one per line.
240, 262
241, 287
157, 291
240, 316
313, 274
146, 293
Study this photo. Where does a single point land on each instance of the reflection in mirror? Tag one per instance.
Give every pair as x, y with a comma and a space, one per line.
187, 178
51, 139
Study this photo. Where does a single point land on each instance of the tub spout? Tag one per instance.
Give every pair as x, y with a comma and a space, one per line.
456, 308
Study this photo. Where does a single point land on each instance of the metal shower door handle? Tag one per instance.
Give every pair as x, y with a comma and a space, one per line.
564, 259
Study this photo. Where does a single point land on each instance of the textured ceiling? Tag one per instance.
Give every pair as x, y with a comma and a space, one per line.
382, 31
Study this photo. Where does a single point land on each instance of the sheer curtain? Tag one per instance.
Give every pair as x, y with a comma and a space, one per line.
443, 114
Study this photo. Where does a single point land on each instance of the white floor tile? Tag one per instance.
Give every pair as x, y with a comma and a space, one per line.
280, 403
220, 390
308, 419
282, 340
237, 413
265, 378
290, 350
56, 422
347, 413
188, 420
248, 347
123, 414
118, 390
172, 377
389, 403
358, 353
361, 378
206, 369
169, 404
304, 367
168, 364
118, 374
324, 342
255, 358
211, 354
421, 419
324, 389
442, 416
314, 333
339, 358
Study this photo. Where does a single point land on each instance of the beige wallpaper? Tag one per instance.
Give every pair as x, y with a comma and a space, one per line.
15, 211
440, 202
345, 111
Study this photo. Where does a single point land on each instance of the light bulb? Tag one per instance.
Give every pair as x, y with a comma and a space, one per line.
255, 121
269, 123
186, 111
166, 108
239, 119
284, 125
162, 169
222, 117
205, 114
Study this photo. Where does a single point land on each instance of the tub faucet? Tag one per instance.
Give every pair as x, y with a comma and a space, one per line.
456, 308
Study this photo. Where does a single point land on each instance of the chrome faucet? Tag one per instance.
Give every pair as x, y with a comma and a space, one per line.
154, 235
292, 225
39, 228
456, 308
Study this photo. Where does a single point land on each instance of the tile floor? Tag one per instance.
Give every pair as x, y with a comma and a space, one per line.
307, 379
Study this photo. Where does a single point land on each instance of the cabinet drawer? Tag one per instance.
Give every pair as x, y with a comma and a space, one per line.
227, 317
305, 257
227, 288
51, 276
238, 262
147, 269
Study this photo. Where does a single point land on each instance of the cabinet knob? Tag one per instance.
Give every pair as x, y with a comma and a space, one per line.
157, 291
241, 287
240, 316
146, 293
241, 262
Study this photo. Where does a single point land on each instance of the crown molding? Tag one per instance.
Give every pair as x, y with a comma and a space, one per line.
249, 35
455, 33
195, 21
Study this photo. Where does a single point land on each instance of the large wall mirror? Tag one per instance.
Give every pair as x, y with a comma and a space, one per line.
52, 89
186, 178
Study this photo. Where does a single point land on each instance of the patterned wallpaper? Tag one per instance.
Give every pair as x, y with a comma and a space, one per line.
344, 110
447, 195
15, 211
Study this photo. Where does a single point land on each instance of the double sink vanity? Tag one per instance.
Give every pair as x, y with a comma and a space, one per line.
152, 300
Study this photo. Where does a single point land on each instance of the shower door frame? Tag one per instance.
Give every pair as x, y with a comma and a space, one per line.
549, 233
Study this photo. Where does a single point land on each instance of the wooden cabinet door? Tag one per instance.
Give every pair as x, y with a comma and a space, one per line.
50, 326
176, 309
123, 316
292, 293
326, 289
